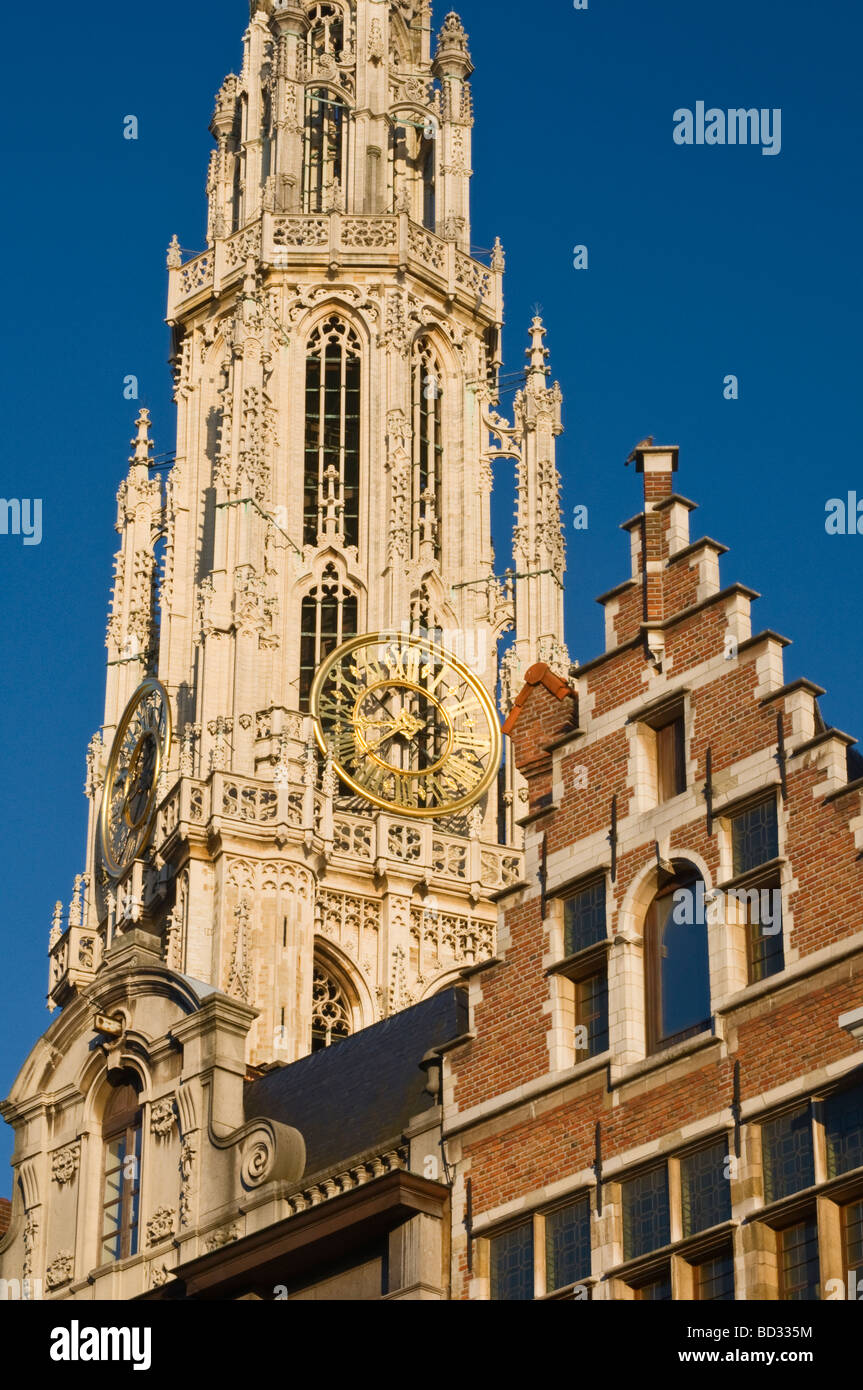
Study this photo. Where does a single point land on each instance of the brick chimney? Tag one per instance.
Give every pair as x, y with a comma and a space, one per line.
657, 464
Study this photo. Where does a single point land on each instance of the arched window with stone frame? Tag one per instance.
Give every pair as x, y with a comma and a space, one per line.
325, 39
332, 1011
428, 447
329, 617
331, 486
676, 960
325, 159
121, 1137
266, 135
238, 182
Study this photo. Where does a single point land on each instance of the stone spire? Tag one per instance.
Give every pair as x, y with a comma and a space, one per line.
452, 58
538, 541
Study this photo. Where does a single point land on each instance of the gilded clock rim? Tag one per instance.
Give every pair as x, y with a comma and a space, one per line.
482, 695
150, 686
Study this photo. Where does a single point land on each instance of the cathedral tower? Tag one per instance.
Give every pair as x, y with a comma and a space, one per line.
336, 351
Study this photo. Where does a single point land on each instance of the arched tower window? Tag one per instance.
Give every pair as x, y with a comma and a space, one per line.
266, 135
427, 472
331, 1012
121, 1135
428, 175
238, 181
330, 616
326, 148
326, 35
237, 193
677, 974
332, 450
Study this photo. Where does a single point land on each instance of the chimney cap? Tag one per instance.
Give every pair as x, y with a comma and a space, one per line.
648, 457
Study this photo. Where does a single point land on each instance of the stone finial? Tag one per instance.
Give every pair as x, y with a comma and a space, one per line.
76, 907
537, 353
175, 258
142, 443
498, 259
452, 58
56, 926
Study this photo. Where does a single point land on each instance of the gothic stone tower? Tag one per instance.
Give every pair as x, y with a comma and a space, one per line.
336, 355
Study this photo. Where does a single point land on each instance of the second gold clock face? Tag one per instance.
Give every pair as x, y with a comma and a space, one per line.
411, 729
138, 755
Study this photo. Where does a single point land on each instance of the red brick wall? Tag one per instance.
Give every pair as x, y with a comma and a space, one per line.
796, 1034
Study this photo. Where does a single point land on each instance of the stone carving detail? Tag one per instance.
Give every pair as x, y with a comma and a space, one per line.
399, 997
378, 232
159, 1276
94, 778
240, 974
220, 729
449, 858
297, 232
424, 246
187, 1159
221, 1238
31, 1231
347, 919
65, 1162
161, 1226
242, 801
376, 1167
196, 275
163, 1117
60, 1270
191, 735
511, 680
448, 937
353, 839
404, 842
555, 656
377, 48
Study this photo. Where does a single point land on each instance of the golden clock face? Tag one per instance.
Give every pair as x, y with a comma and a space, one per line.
411, 729
140, 751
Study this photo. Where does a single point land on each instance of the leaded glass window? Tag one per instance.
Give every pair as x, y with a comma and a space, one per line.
787, 1155
121, 1132
678, 972
332, 447
646, 1219
705, 1191
843, 1127
853, 1225
591, 1015
671, 758
714, 1279
798, 1262
765, 947
656, 1291
567, 1245
584, 918
511, 1257
331, 1014
427, 468
328, 617
754, 837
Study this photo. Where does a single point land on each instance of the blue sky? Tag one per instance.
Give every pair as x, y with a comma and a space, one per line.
703, 261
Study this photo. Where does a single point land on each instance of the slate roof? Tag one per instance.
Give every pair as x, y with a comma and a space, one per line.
359, 1095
